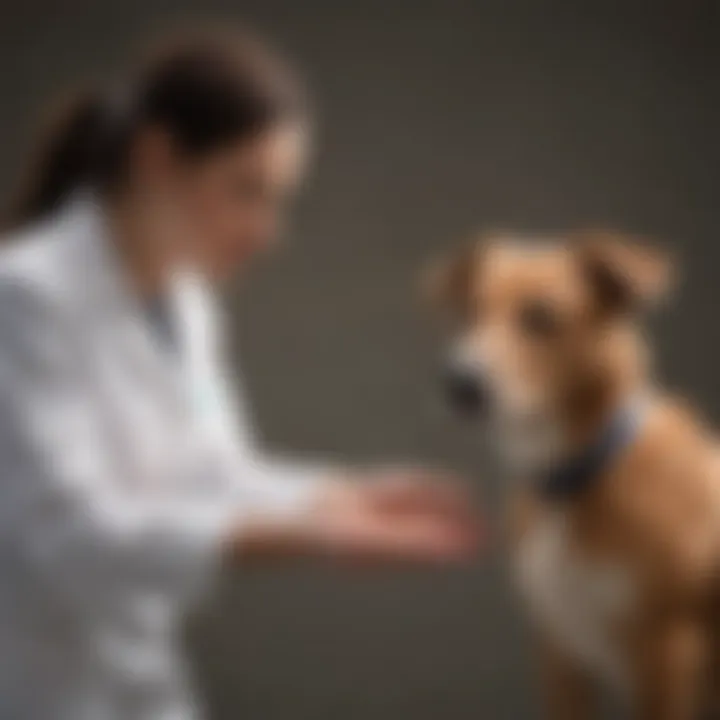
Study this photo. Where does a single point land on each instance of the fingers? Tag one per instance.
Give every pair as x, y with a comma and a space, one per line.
424, 491
408, 535
420, 542
403, 515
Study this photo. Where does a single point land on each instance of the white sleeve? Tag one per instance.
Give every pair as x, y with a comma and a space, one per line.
60, 507
265, 481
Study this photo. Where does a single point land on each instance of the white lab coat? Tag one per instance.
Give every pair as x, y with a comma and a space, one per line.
121, 467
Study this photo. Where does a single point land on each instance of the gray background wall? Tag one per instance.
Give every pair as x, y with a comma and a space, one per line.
437, 117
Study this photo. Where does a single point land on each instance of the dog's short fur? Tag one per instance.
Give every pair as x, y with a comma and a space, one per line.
621, 580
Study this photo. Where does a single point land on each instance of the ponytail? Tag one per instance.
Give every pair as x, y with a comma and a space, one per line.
64, 161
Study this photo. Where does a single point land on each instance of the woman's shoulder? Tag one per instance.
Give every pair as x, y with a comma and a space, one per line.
30, 291
27, 308
34, 332
31, 269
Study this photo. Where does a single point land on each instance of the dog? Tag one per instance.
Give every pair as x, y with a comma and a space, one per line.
614, 517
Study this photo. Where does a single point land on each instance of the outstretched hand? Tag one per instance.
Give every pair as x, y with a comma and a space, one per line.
404, 515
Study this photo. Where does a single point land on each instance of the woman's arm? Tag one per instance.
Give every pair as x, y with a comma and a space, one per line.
306, 508
393, 516
90, 538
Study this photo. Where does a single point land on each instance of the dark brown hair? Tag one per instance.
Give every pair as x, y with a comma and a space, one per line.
206, 90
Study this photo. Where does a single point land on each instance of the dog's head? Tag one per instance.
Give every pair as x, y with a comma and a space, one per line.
549, 328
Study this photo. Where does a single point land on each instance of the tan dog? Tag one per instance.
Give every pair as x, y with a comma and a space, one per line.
616, 520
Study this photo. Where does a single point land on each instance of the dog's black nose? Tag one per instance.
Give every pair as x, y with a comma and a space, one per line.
465, 390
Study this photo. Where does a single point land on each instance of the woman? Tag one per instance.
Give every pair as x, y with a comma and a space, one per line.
125, 475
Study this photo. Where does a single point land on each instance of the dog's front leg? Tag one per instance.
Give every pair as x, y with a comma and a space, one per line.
569, 693
669, 665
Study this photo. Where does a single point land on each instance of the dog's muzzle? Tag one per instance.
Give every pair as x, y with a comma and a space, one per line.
466, 390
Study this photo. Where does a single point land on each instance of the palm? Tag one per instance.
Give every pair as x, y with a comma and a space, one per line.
401, 516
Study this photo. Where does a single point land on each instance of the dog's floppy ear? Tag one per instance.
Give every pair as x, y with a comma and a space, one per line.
627, 274
448, 283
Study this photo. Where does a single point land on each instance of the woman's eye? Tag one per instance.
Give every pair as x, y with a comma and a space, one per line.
538, 320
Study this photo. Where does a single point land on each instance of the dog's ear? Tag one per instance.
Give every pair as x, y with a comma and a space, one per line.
627, 274
448, 283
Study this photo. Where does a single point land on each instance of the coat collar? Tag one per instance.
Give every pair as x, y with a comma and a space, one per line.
103, 295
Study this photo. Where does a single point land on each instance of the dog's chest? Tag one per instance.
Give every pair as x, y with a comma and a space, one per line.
576, 601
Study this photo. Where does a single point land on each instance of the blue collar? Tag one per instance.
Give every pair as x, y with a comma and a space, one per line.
576, 476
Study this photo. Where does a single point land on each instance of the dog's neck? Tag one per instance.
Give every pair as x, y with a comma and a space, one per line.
549, 444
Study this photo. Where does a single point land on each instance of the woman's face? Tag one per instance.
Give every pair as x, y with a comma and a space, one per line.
229, 206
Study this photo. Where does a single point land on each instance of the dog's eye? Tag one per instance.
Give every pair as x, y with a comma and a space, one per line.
539, 320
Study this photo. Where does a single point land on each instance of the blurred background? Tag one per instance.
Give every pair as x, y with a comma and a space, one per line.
437, 117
